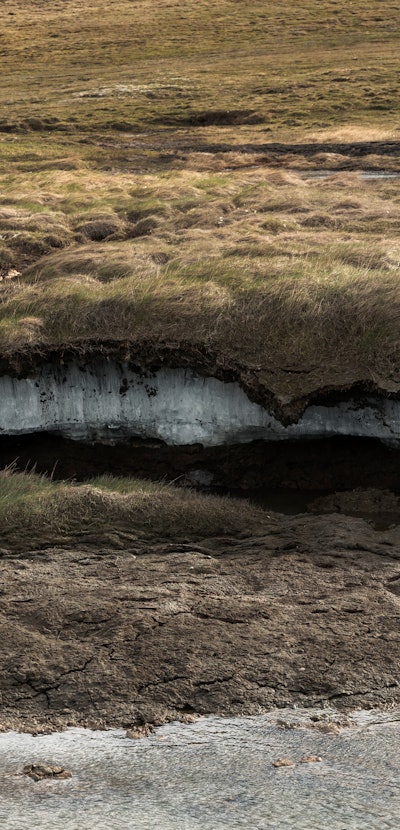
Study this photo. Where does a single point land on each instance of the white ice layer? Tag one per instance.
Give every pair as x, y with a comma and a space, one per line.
106, 401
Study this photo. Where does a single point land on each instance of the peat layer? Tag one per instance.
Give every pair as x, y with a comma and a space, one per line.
341, 463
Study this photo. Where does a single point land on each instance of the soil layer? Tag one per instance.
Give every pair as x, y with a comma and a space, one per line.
307, 613
338, 463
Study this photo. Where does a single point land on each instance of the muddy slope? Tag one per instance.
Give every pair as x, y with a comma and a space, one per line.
306, 613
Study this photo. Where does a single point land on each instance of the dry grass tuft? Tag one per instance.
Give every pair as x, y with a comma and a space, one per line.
47, 513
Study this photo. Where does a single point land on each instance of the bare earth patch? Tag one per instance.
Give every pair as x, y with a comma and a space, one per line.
305, 612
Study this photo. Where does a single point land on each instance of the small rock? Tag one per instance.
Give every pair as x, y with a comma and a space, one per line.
189, 717
142, 731
328, 728
285, 724
310, 759
39, 771
283, 762
11, 274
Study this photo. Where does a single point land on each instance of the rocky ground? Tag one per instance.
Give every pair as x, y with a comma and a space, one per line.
307, 613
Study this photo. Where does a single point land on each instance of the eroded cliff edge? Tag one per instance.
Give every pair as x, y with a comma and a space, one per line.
112, 400
136, 629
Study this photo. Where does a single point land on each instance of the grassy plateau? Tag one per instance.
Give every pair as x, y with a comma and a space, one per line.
192, 173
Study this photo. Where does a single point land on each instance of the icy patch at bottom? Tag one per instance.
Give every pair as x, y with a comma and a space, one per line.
211, 775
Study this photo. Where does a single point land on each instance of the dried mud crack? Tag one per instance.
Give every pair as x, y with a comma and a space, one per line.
305, 613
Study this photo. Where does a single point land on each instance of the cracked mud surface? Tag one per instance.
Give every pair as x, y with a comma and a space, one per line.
307, 613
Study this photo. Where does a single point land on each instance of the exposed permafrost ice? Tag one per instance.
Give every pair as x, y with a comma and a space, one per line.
106, 401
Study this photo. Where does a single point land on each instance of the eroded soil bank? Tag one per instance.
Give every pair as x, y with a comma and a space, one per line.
129, 630
331, 464
306, 613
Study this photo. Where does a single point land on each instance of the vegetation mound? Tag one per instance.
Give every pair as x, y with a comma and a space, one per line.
36, 512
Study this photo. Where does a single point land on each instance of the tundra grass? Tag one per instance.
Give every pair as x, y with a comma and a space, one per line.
142, 199
267, 269
36, 512
159, 63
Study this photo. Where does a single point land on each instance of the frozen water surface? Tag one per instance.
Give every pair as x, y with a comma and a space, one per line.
214, 775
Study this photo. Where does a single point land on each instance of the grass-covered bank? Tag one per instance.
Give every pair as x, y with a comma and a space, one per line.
142, 200
36, 512
269, 271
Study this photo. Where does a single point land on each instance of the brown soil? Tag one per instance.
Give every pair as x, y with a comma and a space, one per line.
383, 505
339, 463
306, 613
